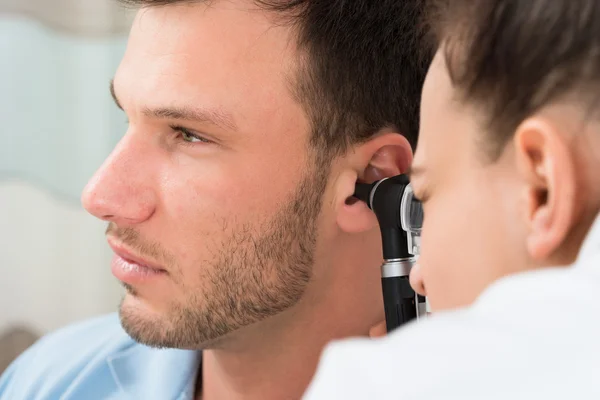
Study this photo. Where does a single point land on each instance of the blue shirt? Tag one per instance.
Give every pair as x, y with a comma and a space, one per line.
96, 359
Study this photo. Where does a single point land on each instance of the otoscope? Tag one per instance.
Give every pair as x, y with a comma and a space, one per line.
400, 216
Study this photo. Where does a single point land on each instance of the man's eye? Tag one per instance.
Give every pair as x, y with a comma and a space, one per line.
189, 137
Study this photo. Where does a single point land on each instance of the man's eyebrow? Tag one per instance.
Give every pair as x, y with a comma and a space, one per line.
213, 116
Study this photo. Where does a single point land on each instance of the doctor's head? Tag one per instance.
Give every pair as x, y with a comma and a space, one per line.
249, 124
508, 161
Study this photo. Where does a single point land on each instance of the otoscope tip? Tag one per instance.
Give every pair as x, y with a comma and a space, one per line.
362, 191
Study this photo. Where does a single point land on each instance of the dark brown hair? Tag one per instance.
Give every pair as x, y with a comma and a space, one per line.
510, 58
363, 68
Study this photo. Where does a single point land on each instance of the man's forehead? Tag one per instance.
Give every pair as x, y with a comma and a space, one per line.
238, 28
212, 45
199, 49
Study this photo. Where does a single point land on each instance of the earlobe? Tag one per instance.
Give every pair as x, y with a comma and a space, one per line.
547, 165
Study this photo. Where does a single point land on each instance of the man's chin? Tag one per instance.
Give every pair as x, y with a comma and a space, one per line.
129, 289
139, 304
158, 329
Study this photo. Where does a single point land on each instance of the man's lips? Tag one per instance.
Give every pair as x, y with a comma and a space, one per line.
128, 256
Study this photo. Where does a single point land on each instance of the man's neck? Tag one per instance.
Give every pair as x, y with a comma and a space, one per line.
279, 366
277, 358
256, 375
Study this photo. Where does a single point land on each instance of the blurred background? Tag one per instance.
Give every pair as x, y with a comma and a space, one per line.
58, 124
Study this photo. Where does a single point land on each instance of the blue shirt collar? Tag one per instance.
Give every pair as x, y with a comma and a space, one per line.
147, 373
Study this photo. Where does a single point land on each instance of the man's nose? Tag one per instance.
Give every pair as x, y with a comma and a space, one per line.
122, 191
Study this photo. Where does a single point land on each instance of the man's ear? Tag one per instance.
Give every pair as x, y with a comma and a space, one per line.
547, 164
385, 155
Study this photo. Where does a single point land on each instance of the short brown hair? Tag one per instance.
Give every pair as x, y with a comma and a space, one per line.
364, 70
513, 57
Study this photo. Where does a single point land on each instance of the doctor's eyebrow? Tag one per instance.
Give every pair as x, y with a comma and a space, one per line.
217, 116
113, 94
414, 171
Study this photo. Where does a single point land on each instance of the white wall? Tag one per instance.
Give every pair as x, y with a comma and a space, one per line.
54, 264
57, 125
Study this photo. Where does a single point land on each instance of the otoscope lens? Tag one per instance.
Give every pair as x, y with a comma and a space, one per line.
411, 211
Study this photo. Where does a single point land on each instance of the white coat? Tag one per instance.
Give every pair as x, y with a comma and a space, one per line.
534, 335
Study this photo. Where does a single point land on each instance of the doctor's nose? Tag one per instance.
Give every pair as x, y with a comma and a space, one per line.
121, 191
416, 280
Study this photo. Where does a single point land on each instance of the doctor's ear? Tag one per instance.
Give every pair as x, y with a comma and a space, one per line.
385, 155
547, 164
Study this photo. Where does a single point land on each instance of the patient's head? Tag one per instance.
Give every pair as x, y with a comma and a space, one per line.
508, 159
244, 121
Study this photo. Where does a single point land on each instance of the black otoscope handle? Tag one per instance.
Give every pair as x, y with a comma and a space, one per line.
385, 197
399, 299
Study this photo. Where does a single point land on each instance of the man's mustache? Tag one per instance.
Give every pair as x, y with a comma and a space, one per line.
132, 239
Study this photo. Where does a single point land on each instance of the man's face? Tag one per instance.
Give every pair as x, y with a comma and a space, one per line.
213, 184
471, 234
